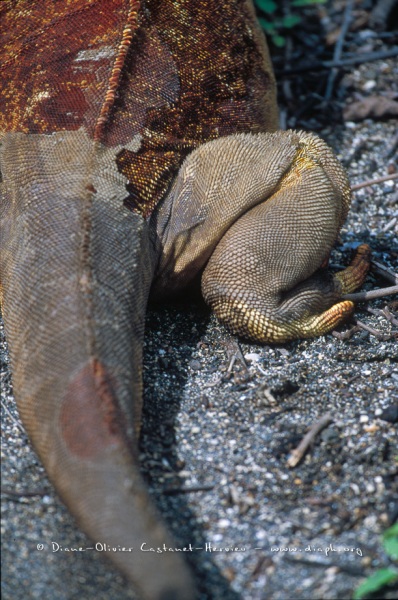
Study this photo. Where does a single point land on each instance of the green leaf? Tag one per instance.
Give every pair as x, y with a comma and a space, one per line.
268, 6
391, 531
291, 21
278, 40
391, 547
390, 541
375, 582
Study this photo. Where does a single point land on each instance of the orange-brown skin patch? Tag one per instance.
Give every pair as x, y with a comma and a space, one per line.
176, 74
57, 58
90, 418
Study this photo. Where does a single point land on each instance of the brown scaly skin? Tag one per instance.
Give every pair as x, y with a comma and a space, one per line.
137, 147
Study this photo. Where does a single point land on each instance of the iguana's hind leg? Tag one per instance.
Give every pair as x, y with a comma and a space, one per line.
264, 279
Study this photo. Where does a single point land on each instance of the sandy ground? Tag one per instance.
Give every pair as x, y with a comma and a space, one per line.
307, 532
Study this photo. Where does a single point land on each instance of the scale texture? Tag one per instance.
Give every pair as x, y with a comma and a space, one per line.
138, 145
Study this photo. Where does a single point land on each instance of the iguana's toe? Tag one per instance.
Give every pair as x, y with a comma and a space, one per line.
354, 275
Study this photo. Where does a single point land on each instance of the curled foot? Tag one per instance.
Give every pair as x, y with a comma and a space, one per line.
308, 310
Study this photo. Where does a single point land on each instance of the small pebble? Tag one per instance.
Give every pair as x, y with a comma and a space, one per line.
252, 357
224, 523
195, 365
390, 414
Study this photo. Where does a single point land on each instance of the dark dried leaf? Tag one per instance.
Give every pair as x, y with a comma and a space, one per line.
376, 107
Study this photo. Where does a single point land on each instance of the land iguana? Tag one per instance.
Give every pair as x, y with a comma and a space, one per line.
140, 148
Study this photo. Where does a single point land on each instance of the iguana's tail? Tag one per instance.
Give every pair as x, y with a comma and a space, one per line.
76, 269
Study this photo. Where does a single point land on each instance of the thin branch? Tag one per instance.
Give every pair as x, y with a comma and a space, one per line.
346, 62
363, 184
353, 378
13, 419
390, 225
188, 490
231, 365
345, 335
234, 352
25, 493
380, 13
339, 48
298, 453
385, 312
389, 316
237, 363
361, 296
381, 270
378, 334
286, 85
217, 381
390, 151
261, 369
351, 569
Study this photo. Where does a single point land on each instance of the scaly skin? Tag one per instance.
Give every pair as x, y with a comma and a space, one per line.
137, 147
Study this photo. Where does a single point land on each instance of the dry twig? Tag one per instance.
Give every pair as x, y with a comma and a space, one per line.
345, 335
362, 296
378, 334
358, 186
217, 381
298, 453
390, 225
353, 378
381, 270
234, 354
188, 490
346, 62
339, 48
391, 150
320, 562
13, 419
384, 312
24, 493
380, 13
